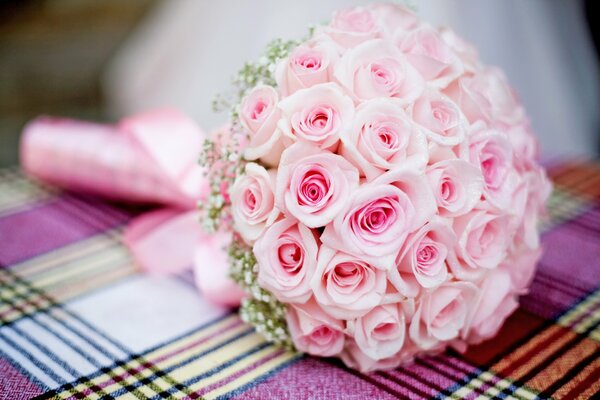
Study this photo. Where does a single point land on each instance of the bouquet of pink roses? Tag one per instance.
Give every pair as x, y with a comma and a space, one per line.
380, 189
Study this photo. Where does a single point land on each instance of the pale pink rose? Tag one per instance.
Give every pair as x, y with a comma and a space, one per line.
443, 314
525, 146
431, 56
521, 267
377, 69
314, 185
352, 26
442, 120
457, 185
253, 202
380, 214
383, 137
487, 97
346, 286
495, 302
491, 151
483, 240
313, 331
309, 64
316, 115
466, 52
425, 252
259, 116
537, 188
394, 19
286, 255
356, 359
380, 333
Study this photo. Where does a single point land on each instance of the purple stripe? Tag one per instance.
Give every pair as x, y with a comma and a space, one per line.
51, 225
232, 377
315, 379
131, 372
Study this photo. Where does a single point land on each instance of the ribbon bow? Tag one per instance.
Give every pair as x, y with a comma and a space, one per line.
148, 158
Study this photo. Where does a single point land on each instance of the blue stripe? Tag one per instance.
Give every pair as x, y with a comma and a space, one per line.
43, 367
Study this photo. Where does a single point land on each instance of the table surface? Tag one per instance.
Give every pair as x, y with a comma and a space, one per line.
79, 321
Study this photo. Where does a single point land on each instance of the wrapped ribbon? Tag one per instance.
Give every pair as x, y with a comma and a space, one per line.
146, 158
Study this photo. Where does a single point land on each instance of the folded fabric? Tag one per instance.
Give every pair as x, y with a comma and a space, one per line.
146, 158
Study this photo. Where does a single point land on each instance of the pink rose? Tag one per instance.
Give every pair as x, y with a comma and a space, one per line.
537, 188
380, 333
314, 185
377, 69
316, 115
352, 26
464, 51
491, 151
431, 56
309, 64
252, 202
495, 302
443, 314
355, 358
457, 186
394, 19
483, 239
346, 286
383, 137
525, 146
487, 97
442, 120
287, 258
379, 216
259, 115
425, 252
521, 267
313, 331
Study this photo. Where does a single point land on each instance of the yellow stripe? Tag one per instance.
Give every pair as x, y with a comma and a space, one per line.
253, 374
164, 364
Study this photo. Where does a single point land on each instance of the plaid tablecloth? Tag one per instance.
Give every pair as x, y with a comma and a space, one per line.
78, 320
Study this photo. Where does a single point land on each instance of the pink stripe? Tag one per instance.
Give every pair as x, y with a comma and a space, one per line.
130, 372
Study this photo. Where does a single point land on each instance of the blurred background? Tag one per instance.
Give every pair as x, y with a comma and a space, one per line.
101, 60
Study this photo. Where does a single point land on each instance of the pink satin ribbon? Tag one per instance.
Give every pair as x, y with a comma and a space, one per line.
146, 158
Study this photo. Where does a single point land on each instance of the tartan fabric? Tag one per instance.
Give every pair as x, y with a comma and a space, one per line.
79, 321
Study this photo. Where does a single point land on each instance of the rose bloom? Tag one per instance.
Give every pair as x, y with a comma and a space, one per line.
443, 314
466, 52
253, 202
442, 120
491, 151
259, 116
495, 302
314, 185
487, 97
393, 19
346, 286
309, 64
377, 69
431, 56
483, 239
382, 138
352, 26
287, 258
380, 333
457, 185
380, 214
520, 265
313, 331
316, 115
425, 252
536, 189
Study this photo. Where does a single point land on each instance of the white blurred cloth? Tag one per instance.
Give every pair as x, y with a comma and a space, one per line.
186, 51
